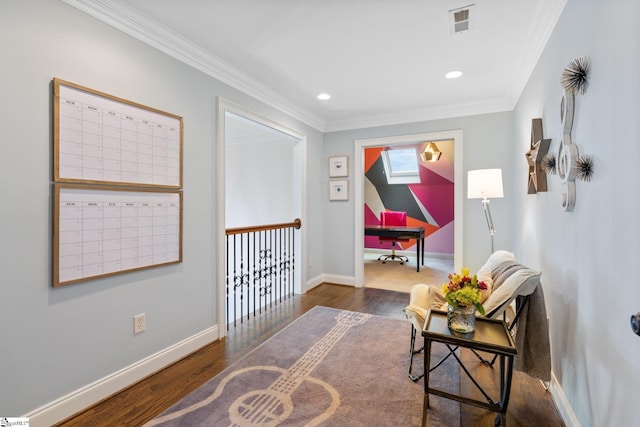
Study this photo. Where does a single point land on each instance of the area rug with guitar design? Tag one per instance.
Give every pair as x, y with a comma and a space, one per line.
327, 368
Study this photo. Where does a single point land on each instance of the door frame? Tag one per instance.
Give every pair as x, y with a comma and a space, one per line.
458, 198
300, 168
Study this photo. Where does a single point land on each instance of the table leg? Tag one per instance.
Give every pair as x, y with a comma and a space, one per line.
501, 420
506, 375
422, 250
425, 405
502, 375
427, 364
418, 255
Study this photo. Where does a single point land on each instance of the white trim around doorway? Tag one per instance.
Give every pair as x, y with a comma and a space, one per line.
358, 190
300, 155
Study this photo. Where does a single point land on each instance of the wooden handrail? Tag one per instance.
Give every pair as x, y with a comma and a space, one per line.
239, 230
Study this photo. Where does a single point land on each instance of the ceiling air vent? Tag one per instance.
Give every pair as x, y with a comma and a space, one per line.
460, 19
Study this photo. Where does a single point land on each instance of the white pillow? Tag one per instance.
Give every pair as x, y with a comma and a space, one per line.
496, 258
484, 274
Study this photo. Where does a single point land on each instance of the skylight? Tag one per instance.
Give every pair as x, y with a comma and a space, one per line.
401, 166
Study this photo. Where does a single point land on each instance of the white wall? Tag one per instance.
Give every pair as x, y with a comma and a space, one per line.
259, 177
588, 257
56, 341
487, 143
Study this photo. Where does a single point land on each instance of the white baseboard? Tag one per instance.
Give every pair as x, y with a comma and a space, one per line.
566, 412
312, 283
90, 394
350, 280
339, 280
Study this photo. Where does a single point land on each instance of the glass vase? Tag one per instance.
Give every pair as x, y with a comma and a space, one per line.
462, 318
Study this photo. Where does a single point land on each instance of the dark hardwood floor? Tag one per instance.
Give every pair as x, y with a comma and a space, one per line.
530, 404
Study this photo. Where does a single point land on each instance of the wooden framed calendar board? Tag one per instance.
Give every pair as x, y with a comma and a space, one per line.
101, 230
99, 138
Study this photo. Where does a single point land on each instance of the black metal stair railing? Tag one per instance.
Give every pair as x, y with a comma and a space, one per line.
260, 267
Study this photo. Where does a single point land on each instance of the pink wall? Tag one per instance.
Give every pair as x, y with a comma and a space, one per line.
429, 204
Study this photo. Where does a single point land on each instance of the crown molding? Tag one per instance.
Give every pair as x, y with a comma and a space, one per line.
420, 115
534, 47
135, 24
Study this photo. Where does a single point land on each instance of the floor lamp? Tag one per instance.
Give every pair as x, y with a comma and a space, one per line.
484, 184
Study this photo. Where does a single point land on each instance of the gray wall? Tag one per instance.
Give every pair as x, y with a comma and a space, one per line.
487, 143
56, 341
588, 257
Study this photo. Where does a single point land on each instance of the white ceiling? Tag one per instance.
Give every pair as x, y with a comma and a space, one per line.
383, 61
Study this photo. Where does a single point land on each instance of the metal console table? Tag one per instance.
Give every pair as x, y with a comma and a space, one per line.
490, 336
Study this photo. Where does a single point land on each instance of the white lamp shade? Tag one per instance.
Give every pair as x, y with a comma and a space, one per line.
484, 184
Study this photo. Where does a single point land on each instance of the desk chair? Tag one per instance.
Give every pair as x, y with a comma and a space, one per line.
388, 218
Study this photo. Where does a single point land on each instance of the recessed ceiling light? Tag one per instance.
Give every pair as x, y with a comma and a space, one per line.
453, 74
324, 97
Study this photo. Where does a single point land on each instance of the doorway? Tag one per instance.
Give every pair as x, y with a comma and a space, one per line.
362, 185
260, 175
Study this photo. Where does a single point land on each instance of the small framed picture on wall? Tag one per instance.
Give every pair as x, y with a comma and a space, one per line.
338, 166
338, 189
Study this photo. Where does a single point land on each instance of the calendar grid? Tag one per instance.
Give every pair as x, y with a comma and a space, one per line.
104, 139
108, 230
117, 172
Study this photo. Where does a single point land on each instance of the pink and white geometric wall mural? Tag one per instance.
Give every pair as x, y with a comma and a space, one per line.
429, 204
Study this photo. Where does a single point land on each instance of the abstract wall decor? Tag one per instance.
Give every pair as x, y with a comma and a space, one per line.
428, 204
569, 163
567, 153
575, 75
583, 167
537, 180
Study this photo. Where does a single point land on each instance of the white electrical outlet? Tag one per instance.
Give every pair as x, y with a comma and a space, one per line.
139, 323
